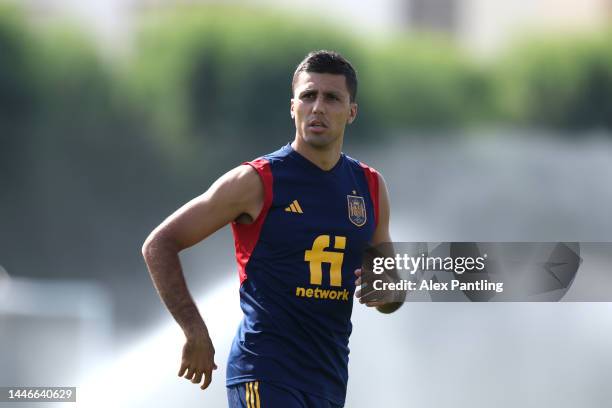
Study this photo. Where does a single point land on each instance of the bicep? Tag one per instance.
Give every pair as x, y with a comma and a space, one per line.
237, 192
381, 234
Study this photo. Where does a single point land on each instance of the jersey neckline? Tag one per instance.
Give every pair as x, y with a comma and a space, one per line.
307, 163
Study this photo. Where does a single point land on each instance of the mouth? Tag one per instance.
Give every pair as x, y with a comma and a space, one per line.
317, 125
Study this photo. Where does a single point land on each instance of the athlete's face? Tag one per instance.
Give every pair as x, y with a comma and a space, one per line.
321, 108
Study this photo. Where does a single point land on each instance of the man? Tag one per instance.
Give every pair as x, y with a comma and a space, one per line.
301, 217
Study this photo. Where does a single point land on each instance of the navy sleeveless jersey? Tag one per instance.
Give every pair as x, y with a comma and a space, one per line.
296, 264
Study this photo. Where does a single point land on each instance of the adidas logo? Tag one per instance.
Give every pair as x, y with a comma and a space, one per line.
294, 207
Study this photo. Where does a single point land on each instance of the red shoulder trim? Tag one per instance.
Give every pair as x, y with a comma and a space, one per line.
247, 235
372, 179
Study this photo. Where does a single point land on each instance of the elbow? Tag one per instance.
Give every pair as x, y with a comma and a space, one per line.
148, 245
157, 241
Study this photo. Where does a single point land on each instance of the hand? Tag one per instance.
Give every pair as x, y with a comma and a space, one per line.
373, 298
363, 297
198, 360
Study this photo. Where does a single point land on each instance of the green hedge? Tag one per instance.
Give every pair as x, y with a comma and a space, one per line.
17, 92
561, 83
223, 73
203, 74
413, 83
75, 160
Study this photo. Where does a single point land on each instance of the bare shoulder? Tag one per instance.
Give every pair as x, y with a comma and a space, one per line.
238, 175
381, 234
241, 188
381, 179
383, 192
241, 184
235, 196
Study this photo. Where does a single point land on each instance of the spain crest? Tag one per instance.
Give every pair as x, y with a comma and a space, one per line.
356, 210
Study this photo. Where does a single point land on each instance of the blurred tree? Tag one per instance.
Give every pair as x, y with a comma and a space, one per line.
561, 83
18, 99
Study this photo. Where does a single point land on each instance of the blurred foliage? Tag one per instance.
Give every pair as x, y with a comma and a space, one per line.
223, 73
424, 83
93, 154
74, 154
17, 92
559, 83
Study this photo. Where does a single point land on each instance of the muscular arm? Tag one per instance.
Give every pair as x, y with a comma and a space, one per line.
237, 195
382, 235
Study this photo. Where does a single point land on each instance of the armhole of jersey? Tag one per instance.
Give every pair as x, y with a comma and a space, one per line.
247, 235
372, 179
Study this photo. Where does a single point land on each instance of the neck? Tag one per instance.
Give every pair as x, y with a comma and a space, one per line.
324, 157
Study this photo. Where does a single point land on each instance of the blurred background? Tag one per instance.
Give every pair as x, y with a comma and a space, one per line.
491, 121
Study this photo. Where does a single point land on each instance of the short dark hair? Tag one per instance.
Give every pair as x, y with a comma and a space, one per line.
328, 62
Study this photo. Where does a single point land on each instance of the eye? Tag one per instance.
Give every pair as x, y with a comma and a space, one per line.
308, 95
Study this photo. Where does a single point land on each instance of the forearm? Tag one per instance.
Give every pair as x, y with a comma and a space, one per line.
161, 257
393, 299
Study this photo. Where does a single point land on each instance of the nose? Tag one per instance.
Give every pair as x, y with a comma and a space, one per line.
318, 105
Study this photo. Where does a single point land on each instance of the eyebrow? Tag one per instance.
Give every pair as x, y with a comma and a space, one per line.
326, 93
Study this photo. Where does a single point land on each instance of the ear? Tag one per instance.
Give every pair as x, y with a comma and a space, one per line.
352, 113
292, 112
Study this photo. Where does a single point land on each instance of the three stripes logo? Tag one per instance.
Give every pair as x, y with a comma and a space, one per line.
294, 207
252, 394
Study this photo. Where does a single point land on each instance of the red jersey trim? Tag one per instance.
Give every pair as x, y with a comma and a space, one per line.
246, 236
372, 179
